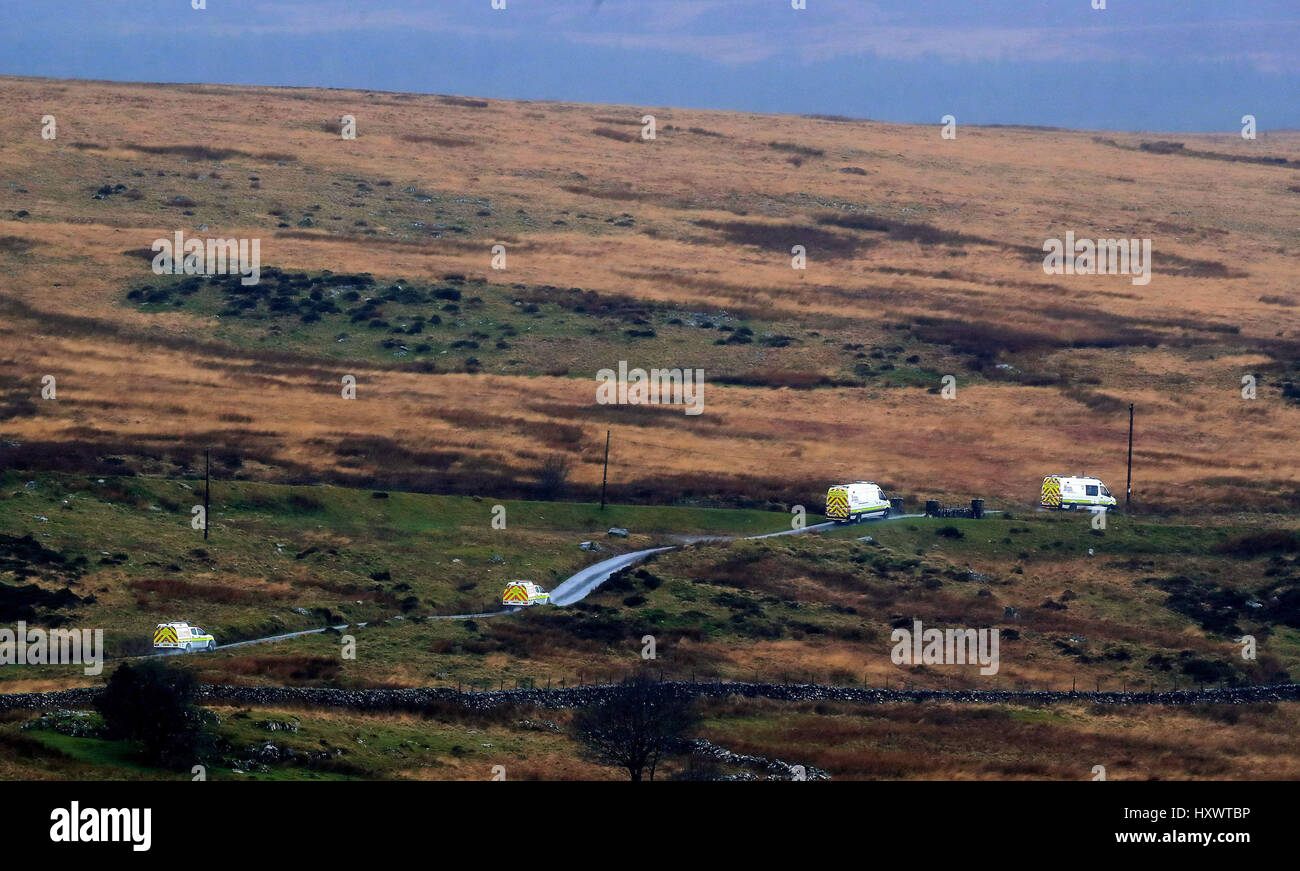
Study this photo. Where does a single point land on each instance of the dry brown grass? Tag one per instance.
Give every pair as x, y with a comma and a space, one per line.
1176, 347
951, 742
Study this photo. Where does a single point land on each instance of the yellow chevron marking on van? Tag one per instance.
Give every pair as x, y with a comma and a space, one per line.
1052, 492
837, 504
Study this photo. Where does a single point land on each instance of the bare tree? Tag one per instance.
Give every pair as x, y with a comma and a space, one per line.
553, 476
633, 729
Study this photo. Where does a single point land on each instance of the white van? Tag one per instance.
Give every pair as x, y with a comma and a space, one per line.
524, 593
849, 503
182, 636
1066, 493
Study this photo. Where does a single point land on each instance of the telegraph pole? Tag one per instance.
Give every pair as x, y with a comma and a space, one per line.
207, 489
1128, 496
604, 478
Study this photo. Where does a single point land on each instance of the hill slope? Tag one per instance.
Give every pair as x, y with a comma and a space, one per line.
924, 260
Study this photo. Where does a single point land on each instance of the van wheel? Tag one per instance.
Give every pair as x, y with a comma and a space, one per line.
212, 645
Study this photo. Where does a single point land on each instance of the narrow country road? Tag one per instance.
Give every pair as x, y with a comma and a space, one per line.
573, 589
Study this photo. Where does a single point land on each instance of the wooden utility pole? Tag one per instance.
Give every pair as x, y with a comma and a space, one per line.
1128, 495
604, 478
207, 489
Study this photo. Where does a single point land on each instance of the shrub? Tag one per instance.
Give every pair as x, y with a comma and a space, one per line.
795, 148
150, 703
616, 135
553, 476
464, 102
782, 236
190, 152
1256, 544
305, 503
19, 245
443, 141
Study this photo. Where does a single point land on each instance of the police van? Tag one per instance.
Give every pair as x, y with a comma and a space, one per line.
182, 636
849, 503
524, 593
1066, 493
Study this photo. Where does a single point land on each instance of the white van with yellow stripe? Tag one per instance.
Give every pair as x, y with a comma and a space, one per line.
1065, 492
524, 593
182, 636
849, 503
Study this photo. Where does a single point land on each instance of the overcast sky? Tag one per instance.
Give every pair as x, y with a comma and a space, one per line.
1177, 65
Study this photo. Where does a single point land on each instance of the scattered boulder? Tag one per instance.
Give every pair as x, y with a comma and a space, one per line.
273, 725
75, 724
